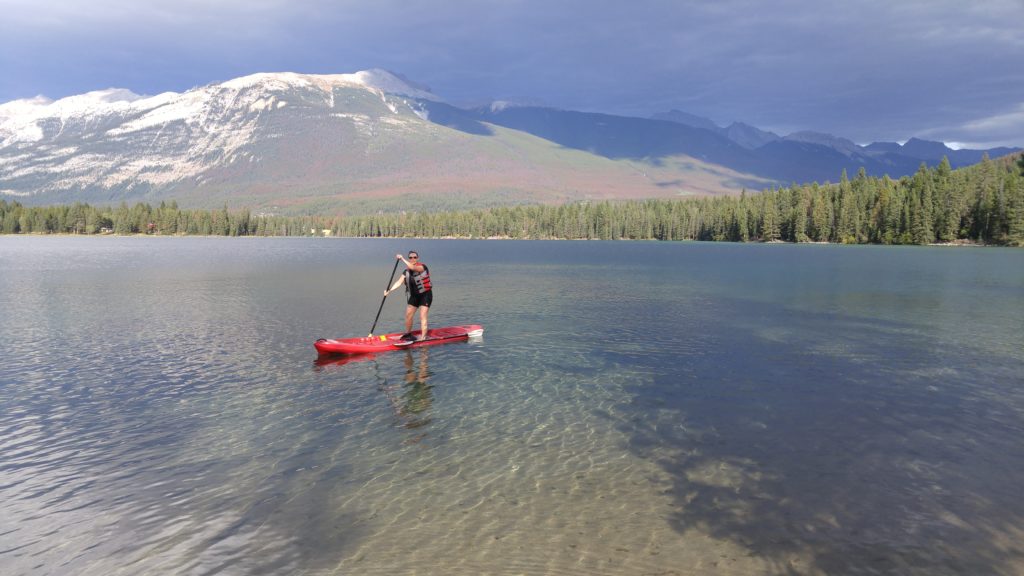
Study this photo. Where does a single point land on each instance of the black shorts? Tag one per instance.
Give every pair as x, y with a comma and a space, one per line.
424, 299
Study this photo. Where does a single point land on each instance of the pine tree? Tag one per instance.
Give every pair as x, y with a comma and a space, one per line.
1015, 209
947, 212
770, 223
985, 200
10, 222
742, 220
801, 210
921, 231
845, 229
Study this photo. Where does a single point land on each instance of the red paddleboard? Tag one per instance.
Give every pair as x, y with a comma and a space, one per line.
385, 342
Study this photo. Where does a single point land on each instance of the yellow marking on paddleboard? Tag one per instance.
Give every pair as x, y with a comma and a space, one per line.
383, 338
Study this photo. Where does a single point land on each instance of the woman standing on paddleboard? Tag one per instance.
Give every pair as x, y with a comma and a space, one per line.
416, 278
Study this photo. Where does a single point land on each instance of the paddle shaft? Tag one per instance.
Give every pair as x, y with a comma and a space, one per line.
386, 287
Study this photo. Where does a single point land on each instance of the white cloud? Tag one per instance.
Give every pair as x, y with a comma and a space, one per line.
1013, 121
1005, 128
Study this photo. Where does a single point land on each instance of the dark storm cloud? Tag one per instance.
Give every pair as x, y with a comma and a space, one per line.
864, 69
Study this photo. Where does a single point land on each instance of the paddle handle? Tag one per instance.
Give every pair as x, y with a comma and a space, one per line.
381, 307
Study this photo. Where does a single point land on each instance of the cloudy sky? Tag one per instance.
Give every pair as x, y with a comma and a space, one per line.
950, 70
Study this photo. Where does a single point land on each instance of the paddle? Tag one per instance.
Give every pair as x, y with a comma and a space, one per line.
388, 285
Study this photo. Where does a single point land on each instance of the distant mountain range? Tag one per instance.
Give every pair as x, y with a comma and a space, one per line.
915, 149
799, 157
370, 141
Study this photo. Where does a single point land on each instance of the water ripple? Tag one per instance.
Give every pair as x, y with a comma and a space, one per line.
161, 411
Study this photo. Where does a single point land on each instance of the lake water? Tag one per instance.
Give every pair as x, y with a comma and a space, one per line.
633, 408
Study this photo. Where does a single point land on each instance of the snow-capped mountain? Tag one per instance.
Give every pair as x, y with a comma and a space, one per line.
373, 141
115, 139
296, 142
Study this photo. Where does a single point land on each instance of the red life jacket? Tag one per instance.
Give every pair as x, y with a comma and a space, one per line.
418, 282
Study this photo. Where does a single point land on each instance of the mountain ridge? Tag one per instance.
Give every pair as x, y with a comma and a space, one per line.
299, 143
917, 148
373, 141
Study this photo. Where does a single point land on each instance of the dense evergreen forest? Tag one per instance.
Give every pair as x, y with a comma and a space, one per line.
982, 203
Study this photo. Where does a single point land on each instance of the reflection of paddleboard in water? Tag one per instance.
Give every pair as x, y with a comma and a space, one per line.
394, 341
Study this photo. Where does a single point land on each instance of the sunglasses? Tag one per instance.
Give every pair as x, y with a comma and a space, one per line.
411, 257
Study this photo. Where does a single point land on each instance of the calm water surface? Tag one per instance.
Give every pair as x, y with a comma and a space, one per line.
633, 408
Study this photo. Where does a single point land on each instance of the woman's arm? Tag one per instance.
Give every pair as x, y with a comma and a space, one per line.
399, 282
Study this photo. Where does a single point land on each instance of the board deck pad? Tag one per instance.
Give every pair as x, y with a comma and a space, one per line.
404, 343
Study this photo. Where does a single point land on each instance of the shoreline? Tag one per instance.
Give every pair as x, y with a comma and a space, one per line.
954, 244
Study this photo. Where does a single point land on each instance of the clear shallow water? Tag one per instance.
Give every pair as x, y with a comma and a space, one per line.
633, 408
